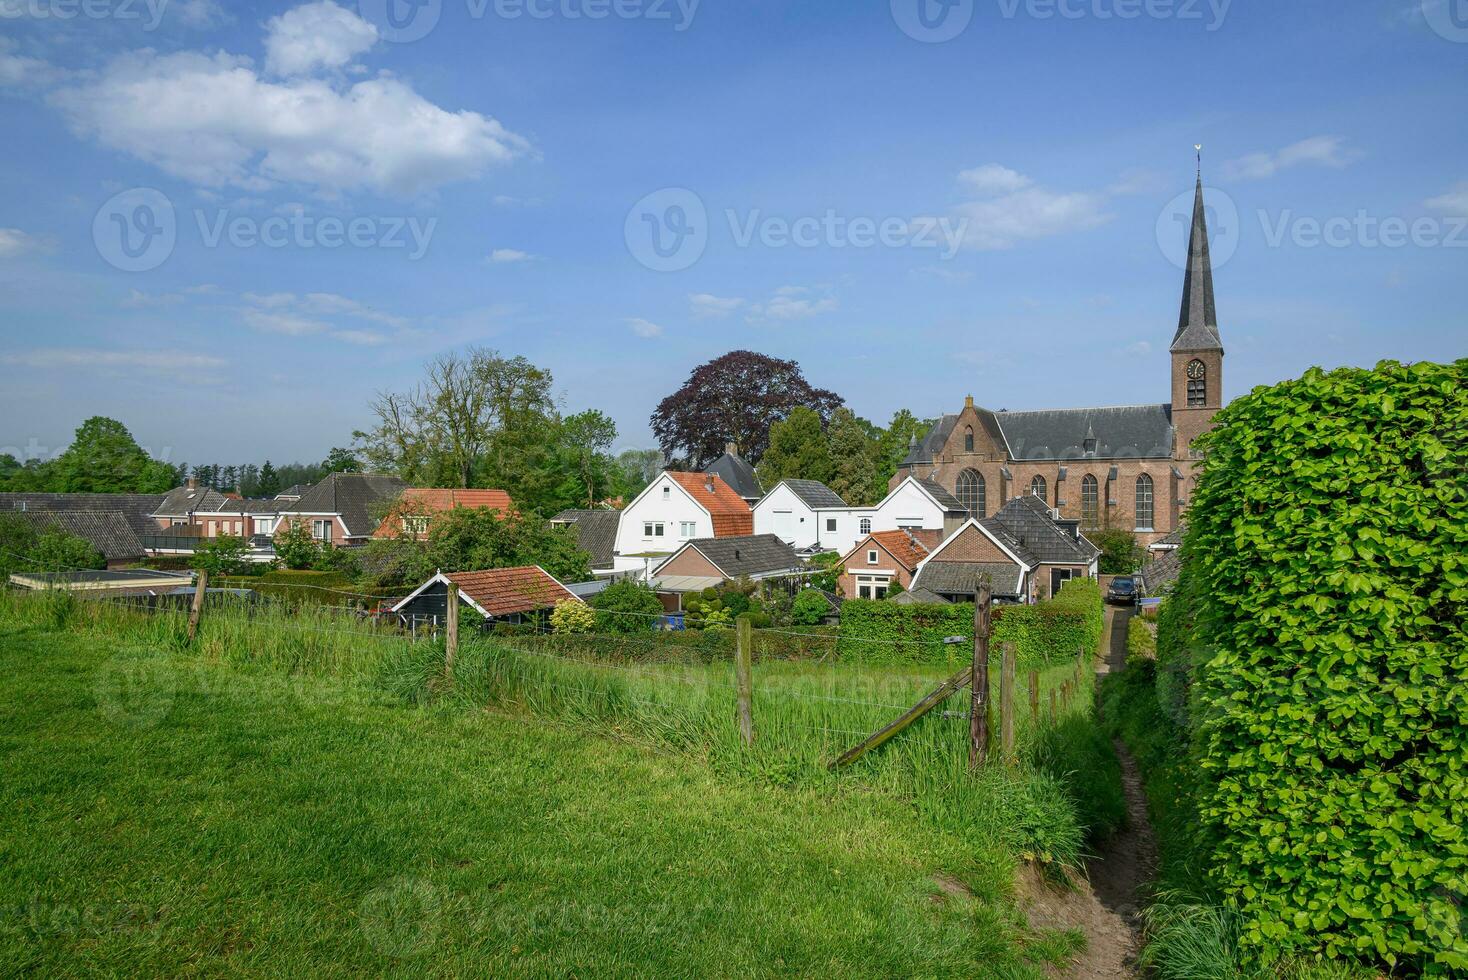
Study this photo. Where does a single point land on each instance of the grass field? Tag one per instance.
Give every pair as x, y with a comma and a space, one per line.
268, 804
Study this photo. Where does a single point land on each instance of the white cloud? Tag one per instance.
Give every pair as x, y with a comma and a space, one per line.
315, 35
210, 119
1453, 202
1012, 209
1324, 151
330, 304
1136, 181
709, 305
71, 357
1140, 347
199, 14
503, 255
290, 324
794, 303
367, 338
14, 242
18, 71
992, 178
644, 328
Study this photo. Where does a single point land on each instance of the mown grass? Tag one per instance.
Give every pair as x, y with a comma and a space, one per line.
263, 803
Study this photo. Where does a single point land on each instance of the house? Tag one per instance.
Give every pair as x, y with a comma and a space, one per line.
704, 563
136, 508
1163, 566
500, 595
811, 516
882, 558
106, 530
674, 509
344, 508
1024, 550
736, 471
1132, 466
413, 512
596, 534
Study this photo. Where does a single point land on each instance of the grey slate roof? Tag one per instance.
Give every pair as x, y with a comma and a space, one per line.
1161, 572
945, 499
354, 496
296, 490
136, 508
913, 597
1197, 324
106, 530
736, 471
183, 501
751, 554
1027, 520
596, 532
1125, 432
815, 494
962, 577
932, 444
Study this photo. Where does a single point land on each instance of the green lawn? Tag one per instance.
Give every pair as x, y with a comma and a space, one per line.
161, 816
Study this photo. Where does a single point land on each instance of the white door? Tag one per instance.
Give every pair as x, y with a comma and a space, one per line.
785, 525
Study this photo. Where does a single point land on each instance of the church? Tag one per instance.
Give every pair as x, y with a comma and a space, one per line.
1129, 467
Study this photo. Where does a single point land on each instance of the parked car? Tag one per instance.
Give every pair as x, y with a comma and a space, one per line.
1123, 591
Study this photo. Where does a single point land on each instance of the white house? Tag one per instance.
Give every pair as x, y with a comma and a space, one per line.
810, 515
675, 509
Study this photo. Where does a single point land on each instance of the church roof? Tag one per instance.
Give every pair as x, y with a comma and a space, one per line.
1197, 326
1124, 432
736, 471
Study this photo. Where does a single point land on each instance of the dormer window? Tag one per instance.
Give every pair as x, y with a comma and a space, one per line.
415, 525
1090, 446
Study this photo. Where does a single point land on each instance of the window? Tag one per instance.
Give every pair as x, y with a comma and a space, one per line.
651, 529
1197, 384
178, 522
1058, 578
321, 530
970, 492
1037, 487
238, 528
831, 525
968, 439
667, 493
1090, 500
872, 586
415, 525
264, 525
865, 527
1144, 503
872, 557
687, 529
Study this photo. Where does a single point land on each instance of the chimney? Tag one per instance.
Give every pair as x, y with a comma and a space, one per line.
736, 554
192, 483
968, 401
731, 449
708, 482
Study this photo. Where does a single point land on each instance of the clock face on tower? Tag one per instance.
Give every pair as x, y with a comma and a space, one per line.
1195, 370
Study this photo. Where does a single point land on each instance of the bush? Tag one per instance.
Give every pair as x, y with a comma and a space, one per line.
1120, 554
811, 608
627, 607
333, 559
1055, 630
570, 616
1141, 642
295, 547
1328, 538
221, 556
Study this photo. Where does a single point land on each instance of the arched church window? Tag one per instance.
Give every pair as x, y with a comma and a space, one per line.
970, 492
1038, 488
968, 439
1090, 501
1144, 502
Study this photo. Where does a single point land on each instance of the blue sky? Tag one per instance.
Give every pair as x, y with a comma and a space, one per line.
988, 207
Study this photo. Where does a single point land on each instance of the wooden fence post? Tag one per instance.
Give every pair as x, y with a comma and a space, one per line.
978, 712
1006, 701
1052, 706
197, 609
744, 678
1035, 697
451, 641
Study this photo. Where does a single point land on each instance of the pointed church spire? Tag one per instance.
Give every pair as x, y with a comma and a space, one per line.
1197, 327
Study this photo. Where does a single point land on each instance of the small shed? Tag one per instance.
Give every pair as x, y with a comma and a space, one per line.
500, 595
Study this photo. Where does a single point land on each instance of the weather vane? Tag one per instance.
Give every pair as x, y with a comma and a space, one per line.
1198, 147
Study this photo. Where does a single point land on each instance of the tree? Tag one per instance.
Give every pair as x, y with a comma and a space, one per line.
571, 616
894, 442
52, 550
798, 450
104, 458
735, 398
220, 556
635, 469
853, 459
588, 437
268, 484
810, 608
295, 546
341, 460
471, 539
627, 607
1120, 554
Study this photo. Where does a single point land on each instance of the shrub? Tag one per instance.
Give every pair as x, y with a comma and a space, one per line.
627, 607
1141, 642
344, 560
1120, 554
295, 547
1329, 539
570, 616
221, 556
810, 609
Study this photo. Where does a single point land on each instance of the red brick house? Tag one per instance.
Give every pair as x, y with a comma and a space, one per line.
412, 515
880, 559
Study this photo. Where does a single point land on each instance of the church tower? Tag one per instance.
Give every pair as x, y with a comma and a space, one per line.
1197, 350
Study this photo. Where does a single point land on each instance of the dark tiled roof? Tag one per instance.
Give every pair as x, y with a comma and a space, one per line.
815, 494
106, 530
1159, 573
1197, 324
736, 471
962, 577
932, 444
245, 505
1125, 432
945, 499
1027, 520
914, 597
137, 508
183, 501
354, 496
596, 532
1173, 539
752, 554
298, 490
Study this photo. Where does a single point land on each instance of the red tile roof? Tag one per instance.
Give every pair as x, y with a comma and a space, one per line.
505, 591
423, 501
732, 516
909, 548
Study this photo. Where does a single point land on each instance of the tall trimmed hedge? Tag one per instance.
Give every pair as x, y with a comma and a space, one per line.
1327, 553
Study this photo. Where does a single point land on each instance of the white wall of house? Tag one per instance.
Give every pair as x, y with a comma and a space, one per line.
663, 504
780, 512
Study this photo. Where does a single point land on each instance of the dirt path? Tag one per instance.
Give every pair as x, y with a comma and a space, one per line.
1106, 906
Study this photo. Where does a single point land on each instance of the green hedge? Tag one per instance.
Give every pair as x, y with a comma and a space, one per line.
875, 631
1328, 539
